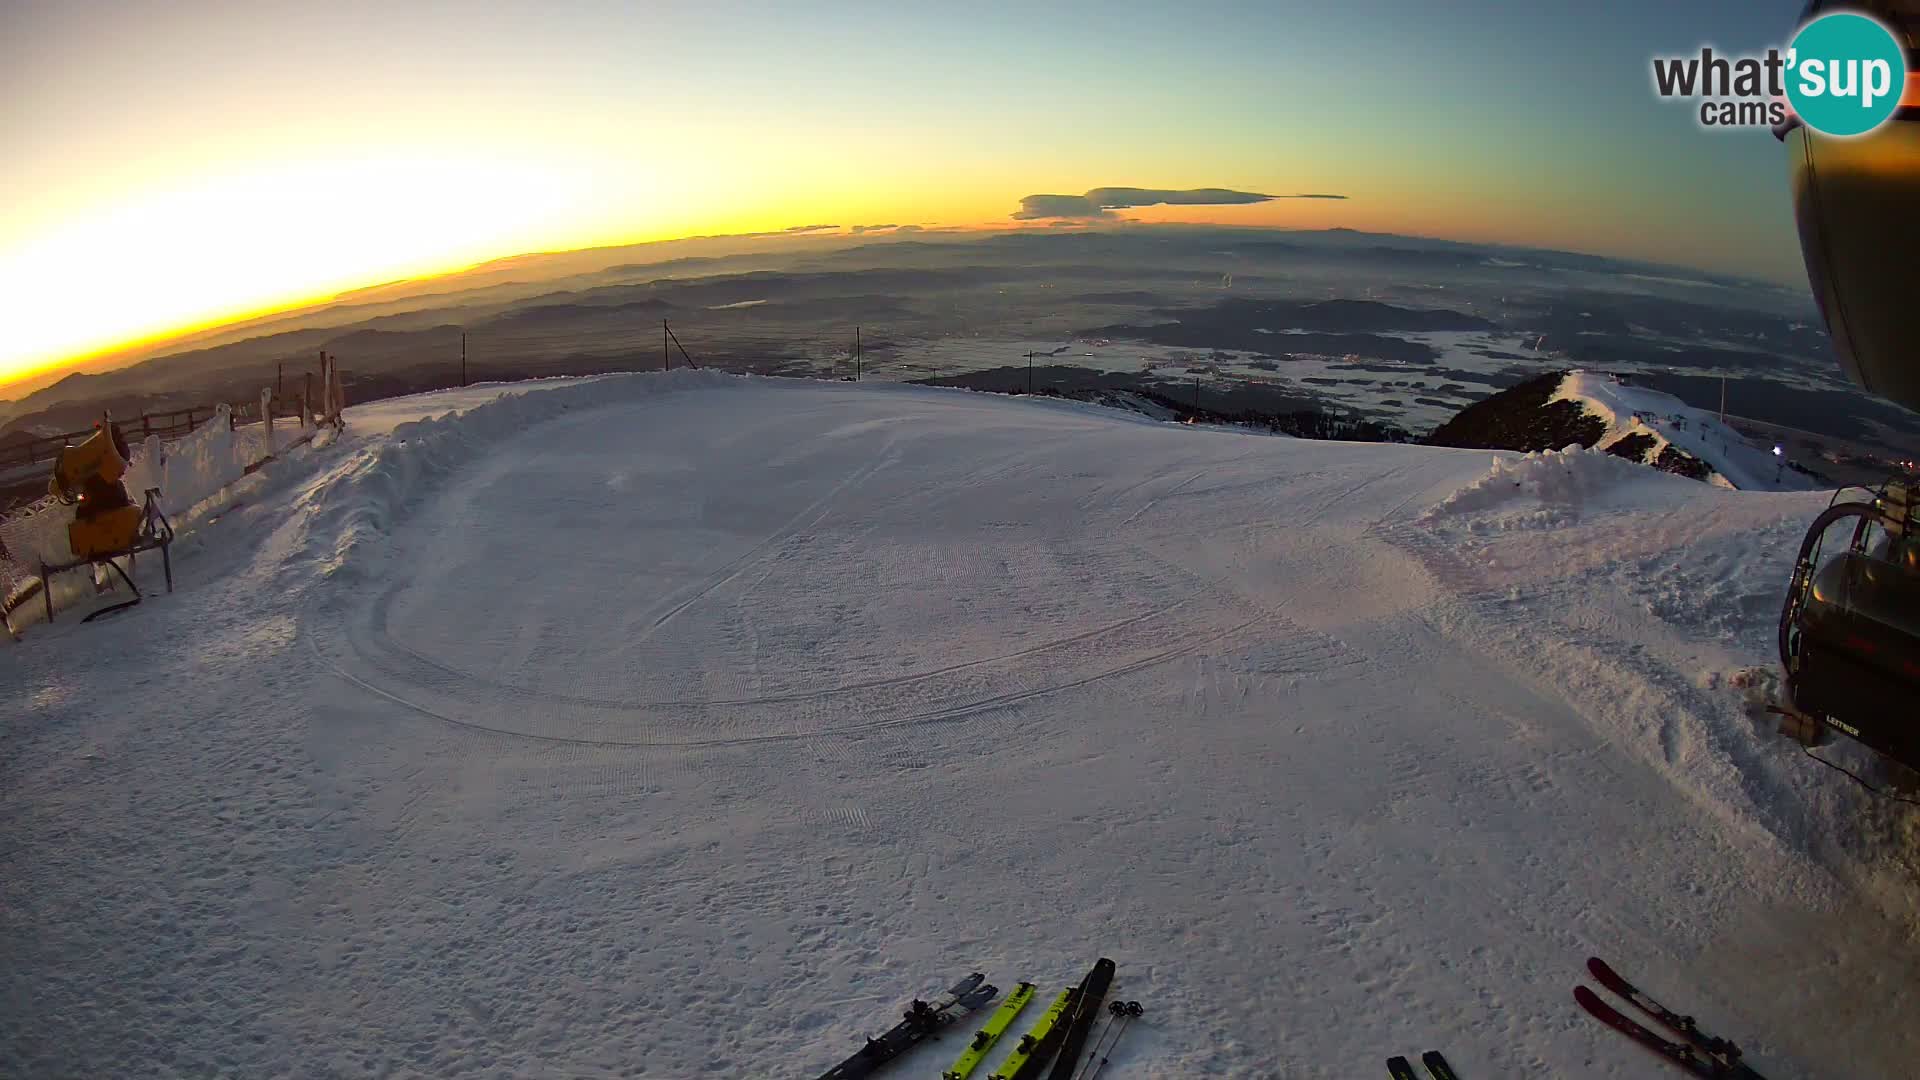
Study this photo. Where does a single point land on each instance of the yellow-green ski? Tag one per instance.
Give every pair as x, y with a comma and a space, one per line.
1032, 1040
984, 1039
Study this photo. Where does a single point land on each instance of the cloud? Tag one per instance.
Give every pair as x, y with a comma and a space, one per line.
858, 229
1035, 207
808, 228
1100, 203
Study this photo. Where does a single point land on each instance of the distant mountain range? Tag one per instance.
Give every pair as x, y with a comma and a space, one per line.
1371, 325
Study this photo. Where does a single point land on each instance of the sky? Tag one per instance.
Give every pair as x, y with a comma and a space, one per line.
175, 165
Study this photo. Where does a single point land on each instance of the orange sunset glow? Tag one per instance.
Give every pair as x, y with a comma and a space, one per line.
144, 203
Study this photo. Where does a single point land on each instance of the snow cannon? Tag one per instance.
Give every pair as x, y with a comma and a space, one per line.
87, 476
1850, 632
107, 526
1857, 203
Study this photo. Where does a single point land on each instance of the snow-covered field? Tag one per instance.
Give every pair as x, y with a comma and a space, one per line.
1398, 391
687, 725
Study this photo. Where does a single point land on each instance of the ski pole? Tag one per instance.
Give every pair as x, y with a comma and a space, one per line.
1133, 1009
1118, 1009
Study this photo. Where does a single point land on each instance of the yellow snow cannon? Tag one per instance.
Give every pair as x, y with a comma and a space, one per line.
87, 476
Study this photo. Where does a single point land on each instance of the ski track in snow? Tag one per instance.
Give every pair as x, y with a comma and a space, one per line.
688, 725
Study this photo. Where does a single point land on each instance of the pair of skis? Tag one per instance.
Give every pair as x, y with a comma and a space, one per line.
922, 1018
984, 1039
1058, 1036
1062, 1031
1696, 1052
1401, 1069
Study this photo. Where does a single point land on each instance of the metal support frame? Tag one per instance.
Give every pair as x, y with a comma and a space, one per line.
156, 532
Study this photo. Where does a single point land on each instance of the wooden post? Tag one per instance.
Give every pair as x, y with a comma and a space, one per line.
1029, 373
856, 354
279, 373
666, 363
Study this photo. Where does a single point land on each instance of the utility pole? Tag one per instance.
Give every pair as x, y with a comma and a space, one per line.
279, 373
463, 358
856, 354
1196, 395
1723, 399
1029, 373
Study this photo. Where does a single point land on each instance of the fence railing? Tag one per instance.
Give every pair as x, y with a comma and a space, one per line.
168, 424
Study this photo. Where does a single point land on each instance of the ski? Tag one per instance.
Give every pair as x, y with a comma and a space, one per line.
1400, 1069
1086, 1009
922, 1019
1680, 1054
1682, 1026
1437, 1065
989, 1034
1034, 1047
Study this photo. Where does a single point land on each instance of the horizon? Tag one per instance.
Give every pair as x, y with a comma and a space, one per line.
147, 207
161, 345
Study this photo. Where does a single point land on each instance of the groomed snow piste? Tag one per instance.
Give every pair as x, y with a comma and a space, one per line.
688, 725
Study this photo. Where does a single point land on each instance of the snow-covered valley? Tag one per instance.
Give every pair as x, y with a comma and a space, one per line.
688, 725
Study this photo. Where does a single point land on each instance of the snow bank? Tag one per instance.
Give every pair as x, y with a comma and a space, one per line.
193, 469
36, 535
372, 490
382, 416
1564, 480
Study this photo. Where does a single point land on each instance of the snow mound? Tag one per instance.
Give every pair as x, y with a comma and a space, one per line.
192, 469
1563, 481
362, 498
1661, 430
35, 535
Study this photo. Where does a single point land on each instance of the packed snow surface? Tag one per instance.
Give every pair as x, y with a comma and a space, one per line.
689, 725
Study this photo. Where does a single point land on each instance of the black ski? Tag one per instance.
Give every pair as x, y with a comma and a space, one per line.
1086, 1007
922, 1019
1400, 1069
1437, 1065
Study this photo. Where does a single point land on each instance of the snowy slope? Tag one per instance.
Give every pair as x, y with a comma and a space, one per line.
1665, 421
677, 725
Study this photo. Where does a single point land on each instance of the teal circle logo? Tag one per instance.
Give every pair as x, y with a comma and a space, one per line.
1846, 73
